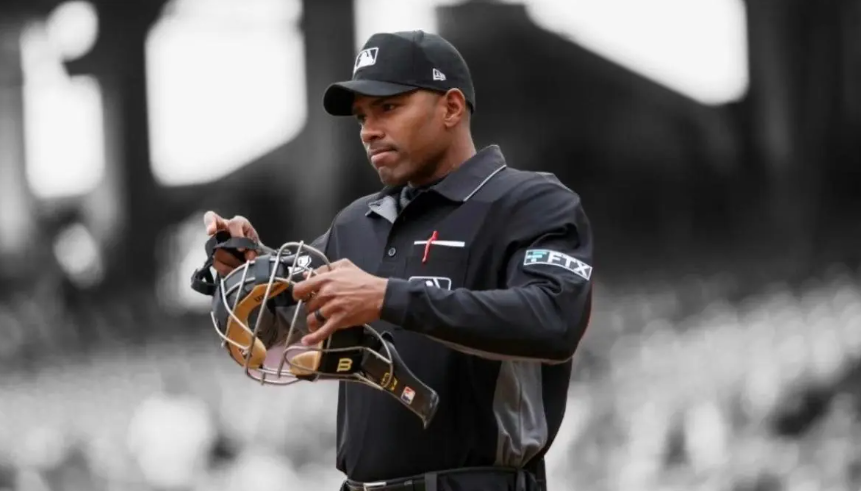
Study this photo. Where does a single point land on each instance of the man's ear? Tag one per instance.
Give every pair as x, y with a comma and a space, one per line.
455, 107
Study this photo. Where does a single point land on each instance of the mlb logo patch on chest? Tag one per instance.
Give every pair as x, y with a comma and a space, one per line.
558, 259
435, 281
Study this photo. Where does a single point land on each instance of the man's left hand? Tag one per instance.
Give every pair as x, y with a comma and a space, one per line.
344, 295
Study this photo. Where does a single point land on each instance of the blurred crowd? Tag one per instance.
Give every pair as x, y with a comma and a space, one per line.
693, 382
757, 393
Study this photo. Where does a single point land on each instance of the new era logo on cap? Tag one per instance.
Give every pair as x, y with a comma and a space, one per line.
438, 75
367, 57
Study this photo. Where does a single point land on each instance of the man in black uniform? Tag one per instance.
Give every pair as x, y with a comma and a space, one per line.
481, 272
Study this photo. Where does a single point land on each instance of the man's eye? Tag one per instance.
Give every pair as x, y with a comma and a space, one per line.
360, 120
388, 107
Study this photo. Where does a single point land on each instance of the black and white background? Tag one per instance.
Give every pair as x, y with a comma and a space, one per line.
715, 144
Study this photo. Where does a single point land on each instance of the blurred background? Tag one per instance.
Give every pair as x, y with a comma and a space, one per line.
715, 145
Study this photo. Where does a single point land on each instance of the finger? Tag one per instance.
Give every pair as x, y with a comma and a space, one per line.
316, 318
213, 222
236, 226
317, 298
324, 332
315, 302
226, 258
224, 262
327, 268
248, 230
322, 269
339, 264
223, 269
303, 288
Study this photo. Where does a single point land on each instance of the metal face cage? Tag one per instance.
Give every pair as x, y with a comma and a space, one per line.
243, 310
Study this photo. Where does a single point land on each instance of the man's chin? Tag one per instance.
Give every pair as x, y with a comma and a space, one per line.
388, 177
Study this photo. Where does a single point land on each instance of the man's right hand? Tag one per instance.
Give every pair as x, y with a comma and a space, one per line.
238, 226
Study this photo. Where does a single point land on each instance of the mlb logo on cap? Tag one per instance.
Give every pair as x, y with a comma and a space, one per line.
407, 395
367, 57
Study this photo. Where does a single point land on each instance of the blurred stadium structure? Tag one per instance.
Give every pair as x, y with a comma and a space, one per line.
715, 145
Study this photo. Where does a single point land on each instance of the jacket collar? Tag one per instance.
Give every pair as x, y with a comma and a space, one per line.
459, 185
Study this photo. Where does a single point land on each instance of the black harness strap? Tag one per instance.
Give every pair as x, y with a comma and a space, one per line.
202, 280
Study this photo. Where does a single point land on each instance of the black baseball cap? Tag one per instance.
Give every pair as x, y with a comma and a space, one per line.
399, 62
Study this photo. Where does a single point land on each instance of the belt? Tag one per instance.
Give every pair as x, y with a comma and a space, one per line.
418, 483
408, 485
496, 476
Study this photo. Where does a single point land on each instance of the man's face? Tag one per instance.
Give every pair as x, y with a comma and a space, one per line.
404, 135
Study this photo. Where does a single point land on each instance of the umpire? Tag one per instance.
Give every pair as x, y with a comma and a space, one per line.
481, 272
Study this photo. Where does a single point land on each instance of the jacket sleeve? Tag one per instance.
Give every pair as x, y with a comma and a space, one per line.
543, 308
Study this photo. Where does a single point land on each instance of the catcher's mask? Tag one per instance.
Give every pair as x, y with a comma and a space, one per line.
249, 308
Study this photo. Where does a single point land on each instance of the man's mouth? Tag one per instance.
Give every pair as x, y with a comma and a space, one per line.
379, 155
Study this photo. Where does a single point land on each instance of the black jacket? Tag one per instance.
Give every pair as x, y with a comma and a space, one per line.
490, 321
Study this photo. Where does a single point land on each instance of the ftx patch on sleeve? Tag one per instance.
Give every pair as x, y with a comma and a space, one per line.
558, 259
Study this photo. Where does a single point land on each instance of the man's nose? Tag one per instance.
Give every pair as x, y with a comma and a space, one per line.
370, 132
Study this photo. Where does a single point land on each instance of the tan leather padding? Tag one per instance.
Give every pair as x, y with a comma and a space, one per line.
305, 363
242, 336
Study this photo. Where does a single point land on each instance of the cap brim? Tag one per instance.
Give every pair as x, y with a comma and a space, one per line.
338, 99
